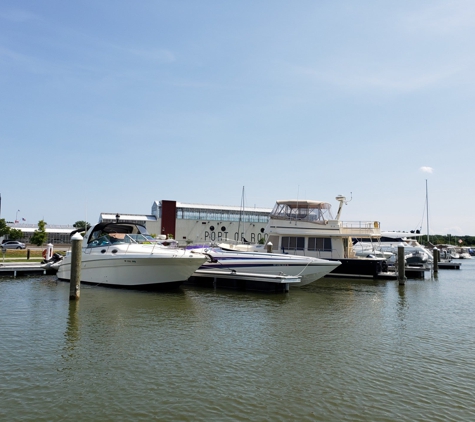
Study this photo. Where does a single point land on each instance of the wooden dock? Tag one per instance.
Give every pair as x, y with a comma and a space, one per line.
23, 268
449, 265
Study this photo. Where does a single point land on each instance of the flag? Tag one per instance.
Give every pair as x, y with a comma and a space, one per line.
23, 219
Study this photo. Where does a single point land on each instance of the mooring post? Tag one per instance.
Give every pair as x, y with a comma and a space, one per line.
436, 259
269, 247
49, 251
401, 265
75, 280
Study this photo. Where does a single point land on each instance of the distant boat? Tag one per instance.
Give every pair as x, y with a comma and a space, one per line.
124, 255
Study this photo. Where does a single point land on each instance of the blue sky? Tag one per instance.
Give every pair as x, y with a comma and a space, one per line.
108, 106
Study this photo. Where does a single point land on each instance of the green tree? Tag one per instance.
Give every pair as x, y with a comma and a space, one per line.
15, 234
4, 229
39, 236
81, 225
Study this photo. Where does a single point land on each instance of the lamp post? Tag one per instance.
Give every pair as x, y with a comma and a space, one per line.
16, 217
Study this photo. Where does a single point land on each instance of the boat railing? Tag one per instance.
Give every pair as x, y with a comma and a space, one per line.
360, 227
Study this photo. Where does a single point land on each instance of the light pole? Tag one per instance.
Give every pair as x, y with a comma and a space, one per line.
16, 217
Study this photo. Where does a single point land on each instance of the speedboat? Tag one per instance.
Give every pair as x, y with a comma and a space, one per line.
123, 254
307, 268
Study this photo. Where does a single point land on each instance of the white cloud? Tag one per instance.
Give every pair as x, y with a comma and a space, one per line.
443, 17
380, 76
426, 169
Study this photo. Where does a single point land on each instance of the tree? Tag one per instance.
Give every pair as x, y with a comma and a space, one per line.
39, 236
81, 225
4, 229
15, 234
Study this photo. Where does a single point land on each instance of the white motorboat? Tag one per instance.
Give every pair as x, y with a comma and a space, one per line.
123, 254
307, 268
388, 243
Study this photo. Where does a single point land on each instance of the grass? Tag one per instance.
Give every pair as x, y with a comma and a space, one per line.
21, 255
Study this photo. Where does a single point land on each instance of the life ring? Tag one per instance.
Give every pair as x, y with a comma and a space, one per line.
45, 252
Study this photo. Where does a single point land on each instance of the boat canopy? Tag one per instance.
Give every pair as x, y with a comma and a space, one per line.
302, 210
102, 229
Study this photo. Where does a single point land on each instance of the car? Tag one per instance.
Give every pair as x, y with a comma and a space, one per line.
13, 244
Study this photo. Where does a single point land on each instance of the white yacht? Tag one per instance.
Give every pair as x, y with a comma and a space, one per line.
307, 228
307, 268
124, 254
388, 243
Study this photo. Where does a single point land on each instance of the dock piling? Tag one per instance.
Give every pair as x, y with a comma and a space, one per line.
269, 247
75, 280
401, 265
436, 259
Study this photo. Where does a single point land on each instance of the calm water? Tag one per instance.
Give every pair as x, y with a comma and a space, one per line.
333, 351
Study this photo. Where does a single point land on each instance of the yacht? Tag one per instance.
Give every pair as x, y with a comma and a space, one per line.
307, 268
308, 228
125, 255
388, 243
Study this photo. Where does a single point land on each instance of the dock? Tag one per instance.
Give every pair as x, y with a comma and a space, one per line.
449, 265
230, 279
23, 268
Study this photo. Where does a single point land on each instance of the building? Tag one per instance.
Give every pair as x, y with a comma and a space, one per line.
198, 223
187, 223
57, 234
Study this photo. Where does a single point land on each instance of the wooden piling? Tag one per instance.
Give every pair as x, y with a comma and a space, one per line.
401, 265
75, 280
436, 259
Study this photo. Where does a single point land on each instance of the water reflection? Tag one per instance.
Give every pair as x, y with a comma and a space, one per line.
334, 350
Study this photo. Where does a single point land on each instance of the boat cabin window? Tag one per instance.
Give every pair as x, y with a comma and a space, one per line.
293, 243
315, 212
319, 244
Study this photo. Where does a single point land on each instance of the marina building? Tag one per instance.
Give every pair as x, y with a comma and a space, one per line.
198, 223
187, 223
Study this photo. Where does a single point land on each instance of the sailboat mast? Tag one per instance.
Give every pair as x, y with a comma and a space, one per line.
427, 211
241, 215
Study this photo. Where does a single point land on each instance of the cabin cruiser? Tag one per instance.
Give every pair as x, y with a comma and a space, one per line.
307, 268
124, 254
388, 243
308, 228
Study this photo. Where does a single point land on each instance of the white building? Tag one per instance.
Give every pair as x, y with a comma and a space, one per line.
198, 223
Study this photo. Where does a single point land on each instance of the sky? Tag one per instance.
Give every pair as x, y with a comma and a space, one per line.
109, 106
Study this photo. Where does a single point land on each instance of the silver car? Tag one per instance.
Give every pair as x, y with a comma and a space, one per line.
13, 244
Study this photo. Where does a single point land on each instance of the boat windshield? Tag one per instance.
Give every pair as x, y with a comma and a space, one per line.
316, 212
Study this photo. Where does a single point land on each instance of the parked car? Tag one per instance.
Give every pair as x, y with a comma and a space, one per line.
13, 244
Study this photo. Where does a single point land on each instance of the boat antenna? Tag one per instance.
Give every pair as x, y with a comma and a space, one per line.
342, 200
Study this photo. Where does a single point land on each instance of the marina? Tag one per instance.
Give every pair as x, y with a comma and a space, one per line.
334, 350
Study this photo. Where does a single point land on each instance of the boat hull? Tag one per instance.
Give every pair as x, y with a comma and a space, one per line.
308, 269
360, 268
130, 271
